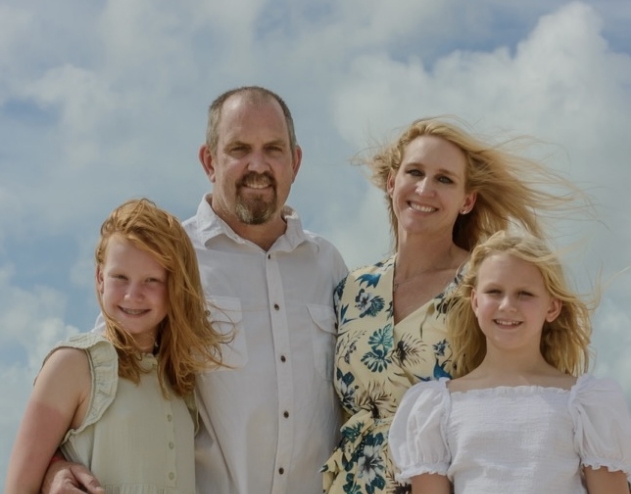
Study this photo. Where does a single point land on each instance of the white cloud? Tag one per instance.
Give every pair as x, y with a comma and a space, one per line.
103, 101
31, 322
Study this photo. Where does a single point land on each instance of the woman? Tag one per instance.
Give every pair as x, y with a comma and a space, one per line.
446, 191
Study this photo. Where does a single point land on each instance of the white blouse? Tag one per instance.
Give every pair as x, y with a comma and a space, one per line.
521, 439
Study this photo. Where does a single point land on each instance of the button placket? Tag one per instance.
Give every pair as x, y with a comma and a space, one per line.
284, 377
170, 443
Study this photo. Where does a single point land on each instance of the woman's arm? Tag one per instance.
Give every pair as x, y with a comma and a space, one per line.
602, 481
431, 483
57, 403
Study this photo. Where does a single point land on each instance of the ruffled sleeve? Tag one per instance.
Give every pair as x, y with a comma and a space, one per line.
602, 424
104, 368
418, 433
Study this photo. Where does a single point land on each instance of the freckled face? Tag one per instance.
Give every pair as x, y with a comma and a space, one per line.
512, 303
254, 165
428, 190
133, 288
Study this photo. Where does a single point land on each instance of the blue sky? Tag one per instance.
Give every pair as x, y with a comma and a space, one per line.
102, 101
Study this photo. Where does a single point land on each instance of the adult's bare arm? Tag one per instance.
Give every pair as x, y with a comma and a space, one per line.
63, 477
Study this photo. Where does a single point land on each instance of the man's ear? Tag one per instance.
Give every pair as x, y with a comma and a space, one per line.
206, 159
297, 160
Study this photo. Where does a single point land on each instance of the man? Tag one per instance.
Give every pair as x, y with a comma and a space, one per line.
270, 422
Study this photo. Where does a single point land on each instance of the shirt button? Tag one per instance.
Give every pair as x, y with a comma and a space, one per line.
286, 414
276, 307
171, 445
282, 358
269, 256
170, 417
281, 470
171, 476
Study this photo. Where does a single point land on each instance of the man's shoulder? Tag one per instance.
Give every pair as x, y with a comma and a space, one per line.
325, 247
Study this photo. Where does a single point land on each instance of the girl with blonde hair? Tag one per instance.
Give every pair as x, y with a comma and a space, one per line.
446, 190
521, 415
121, 402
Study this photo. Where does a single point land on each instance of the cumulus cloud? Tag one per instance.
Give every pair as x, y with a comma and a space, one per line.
103, 101
31, 322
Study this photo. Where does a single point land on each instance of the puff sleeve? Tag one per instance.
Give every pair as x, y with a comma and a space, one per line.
602, 424
417, 436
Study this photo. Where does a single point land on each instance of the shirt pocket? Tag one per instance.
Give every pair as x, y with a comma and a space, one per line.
323, 338
226, 318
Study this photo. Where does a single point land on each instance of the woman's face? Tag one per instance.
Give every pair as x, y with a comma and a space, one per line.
428, 190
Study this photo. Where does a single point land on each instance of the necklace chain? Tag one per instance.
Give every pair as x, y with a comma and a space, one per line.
396, 284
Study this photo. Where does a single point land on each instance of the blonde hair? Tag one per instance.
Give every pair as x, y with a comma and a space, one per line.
507, 185
188, 344
564, 341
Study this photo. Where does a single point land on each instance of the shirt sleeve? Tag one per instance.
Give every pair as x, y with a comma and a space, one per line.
602, 425
417, 436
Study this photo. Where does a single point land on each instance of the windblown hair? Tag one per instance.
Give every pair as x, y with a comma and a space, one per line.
188, 344
510, 188
564, 341
253, 94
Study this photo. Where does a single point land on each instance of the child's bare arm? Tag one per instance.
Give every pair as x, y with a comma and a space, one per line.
430, 483
602, 481
57, 403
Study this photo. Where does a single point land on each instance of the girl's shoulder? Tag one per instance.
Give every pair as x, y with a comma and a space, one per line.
602, 423
596, 391
427, 393
100, 365
89, 342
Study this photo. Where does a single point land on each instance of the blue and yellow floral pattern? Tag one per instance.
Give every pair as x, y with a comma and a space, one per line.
376, 362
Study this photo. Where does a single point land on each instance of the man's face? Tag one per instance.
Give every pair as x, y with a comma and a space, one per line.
254, 166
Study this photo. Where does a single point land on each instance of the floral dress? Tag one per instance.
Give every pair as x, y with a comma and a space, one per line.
376, 362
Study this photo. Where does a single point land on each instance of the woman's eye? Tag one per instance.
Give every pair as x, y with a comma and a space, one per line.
445, 180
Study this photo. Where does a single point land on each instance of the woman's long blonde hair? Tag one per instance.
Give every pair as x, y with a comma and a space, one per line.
188, 344
511, 189
564, 341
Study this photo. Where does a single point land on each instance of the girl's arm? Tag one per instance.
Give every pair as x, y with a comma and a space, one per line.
602, 481
58, 402
431, 483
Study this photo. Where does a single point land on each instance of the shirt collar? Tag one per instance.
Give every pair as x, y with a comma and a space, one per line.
211, 226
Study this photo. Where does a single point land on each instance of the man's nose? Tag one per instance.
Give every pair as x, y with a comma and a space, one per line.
258, 162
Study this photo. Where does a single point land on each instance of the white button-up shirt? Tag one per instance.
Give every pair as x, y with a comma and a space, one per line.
269, 424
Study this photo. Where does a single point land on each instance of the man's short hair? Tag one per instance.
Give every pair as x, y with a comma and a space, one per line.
253, 93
